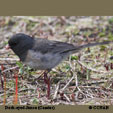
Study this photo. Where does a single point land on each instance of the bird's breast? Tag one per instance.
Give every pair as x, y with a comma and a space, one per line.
38, 60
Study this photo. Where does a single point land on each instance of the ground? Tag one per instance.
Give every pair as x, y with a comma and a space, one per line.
85, 78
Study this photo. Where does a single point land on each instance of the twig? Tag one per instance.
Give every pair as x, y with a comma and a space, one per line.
76, 80
73, 68
67, 83
7, 64
10, 69
3, 53
56, 91
95, 82
89, 68
11, 59
67, 97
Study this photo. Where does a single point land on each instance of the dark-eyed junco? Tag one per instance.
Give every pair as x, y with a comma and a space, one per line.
41, 53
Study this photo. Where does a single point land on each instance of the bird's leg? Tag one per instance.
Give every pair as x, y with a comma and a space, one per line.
47, 81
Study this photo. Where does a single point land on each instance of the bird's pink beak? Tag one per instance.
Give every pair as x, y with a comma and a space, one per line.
7, 47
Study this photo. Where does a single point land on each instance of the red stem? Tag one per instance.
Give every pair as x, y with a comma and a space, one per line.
16, 89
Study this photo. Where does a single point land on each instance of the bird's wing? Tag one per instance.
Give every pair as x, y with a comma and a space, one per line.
45, 46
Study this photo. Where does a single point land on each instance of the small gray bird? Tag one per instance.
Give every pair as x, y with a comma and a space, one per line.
41, 53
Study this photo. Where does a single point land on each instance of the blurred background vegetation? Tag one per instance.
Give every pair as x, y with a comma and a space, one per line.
91, 67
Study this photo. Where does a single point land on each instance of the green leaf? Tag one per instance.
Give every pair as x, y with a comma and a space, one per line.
35, 101
111, 20
110, 36
67, 67
74, 57
102, 34
19, 64
103, 47
21, 71
6, 42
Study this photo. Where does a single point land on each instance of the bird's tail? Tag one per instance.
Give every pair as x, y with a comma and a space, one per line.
78, 48
94, 44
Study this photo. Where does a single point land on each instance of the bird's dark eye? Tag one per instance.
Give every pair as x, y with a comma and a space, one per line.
13, 44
